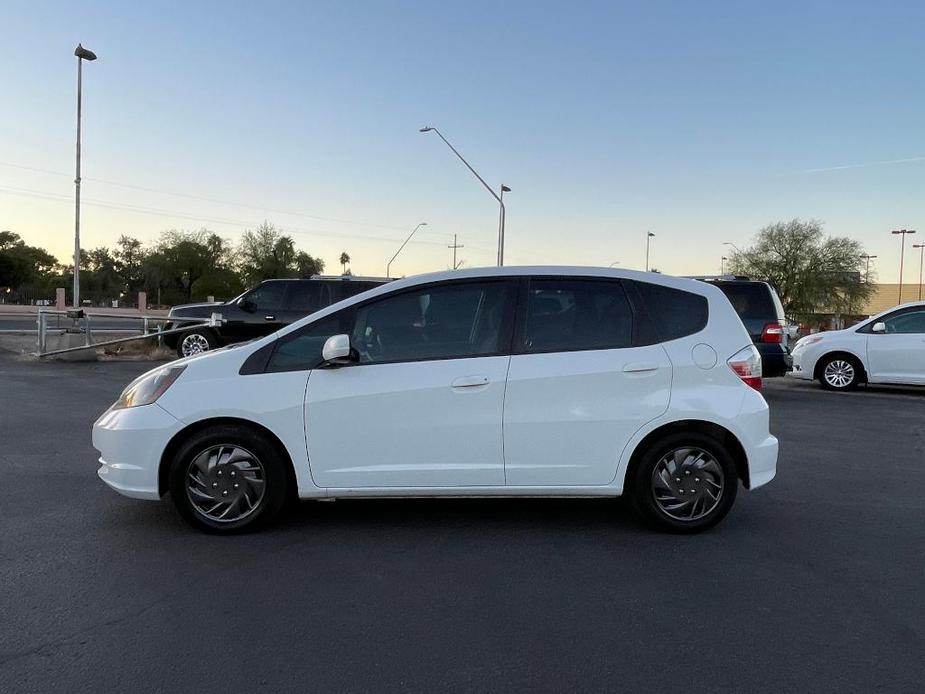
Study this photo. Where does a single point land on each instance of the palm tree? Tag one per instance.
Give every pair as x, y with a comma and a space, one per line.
344, 259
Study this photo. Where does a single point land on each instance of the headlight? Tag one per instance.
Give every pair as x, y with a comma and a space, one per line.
148, 389
807, 341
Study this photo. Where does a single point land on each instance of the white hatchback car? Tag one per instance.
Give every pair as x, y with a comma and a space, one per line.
888, 348
489, 382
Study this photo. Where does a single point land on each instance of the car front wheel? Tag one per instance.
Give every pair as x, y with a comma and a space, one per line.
195, 341
838, 372
685, 483
228, 479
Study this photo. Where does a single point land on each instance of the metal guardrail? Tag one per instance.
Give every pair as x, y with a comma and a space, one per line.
81, 324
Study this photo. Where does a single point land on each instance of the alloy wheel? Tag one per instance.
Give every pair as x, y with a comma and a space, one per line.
194, 344
687, 483
838, 373
225, 483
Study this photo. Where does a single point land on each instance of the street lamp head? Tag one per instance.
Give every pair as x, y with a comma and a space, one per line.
903, 231
425, 129
422, 224
651, 234
505, 189
83, 53
725, 258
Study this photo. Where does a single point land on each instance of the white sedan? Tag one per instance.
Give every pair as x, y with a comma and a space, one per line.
888, 348
490, 382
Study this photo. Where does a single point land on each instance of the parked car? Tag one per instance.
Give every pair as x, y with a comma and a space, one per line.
260, 311
762, 314
489, 382
887, 348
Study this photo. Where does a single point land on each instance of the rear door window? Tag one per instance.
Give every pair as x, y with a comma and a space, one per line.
565, 315
307, 296
675, 312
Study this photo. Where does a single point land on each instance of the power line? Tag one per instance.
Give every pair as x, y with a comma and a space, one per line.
202, 198
56, 197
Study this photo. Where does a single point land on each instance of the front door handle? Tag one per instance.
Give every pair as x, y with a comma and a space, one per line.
640, 366
270, 317
470, 381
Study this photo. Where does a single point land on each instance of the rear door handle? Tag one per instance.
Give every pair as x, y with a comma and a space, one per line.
640, 366
270, 317
470, 381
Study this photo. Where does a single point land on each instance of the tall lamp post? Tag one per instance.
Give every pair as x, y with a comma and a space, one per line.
866, 257
902, 252
82, 55
389, 265
499, 198
649, 236
921, 247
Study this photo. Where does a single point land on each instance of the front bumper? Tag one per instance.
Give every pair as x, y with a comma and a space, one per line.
130, 443
802, 368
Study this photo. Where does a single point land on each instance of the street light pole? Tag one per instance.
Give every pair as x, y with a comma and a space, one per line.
475, 173
902, 252
730, 243
82, 55
501, 220
649, 236
722, 265
616, 262
921, 247
389, 265
866, 257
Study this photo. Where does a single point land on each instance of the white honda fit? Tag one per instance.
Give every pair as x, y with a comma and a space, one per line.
530, 381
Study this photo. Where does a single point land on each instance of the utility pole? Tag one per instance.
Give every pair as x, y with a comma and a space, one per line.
866, 257
454, 247
649, 236
921, 247
902, 252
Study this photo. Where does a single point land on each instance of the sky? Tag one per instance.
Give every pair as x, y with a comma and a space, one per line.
701, 122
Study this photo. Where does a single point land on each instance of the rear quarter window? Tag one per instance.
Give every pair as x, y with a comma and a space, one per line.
752, 301
674, 312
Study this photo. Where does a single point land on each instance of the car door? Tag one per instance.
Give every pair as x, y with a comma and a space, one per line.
579, 389
266, 304
422, 404
898, 354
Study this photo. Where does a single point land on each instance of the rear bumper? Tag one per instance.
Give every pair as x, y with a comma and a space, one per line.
775, 359
762, 462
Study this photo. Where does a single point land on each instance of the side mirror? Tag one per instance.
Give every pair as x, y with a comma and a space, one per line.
879, 327
336, 350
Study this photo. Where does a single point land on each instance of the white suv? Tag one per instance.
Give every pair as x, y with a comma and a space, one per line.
529, 381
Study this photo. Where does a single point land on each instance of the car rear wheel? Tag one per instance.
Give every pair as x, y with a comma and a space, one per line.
839, 372
228, 479
685, 483
195, 341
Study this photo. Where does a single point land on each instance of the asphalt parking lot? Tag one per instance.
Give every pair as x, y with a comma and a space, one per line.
813, 583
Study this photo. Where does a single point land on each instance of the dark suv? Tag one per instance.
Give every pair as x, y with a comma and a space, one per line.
260, 311
762, 314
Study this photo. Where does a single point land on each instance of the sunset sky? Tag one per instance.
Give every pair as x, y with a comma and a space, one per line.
701, 122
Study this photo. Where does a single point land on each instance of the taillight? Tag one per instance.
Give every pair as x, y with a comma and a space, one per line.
747, 365
772, 332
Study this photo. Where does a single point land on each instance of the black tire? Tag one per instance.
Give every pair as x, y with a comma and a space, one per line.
202, 337
839, 372
260, 503
645, 485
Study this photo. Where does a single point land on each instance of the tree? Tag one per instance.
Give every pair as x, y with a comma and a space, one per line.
183, 261
265, 253
306, 265
811, 273
344, 259
24, 266
128, 257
